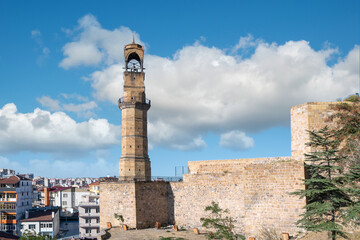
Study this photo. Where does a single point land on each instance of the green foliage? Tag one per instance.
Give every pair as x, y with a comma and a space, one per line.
353, 98
30, 235
347, 126
224, 225
119, 217
324, 188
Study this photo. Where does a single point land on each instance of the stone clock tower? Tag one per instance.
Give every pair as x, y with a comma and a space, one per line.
134, 164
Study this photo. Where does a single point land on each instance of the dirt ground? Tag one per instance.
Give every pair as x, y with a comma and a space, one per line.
170, 234
154, 234
324, 236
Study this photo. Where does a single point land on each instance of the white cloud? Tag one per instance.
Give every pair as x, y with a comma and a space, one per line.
93, 168
75, 96
42, 131
82, 109
247, 42
236, 140
49, 103
94, 44
204, 89
45, 51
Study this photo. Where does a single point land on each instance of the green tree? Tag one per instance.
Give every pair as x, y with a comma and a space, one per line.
30, 235
324, 185
224, 225
346, 122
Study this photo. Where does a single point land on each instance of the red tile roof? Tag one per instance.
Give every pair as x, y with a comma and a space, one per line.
54, 189
10, 180
39, 216
94, 183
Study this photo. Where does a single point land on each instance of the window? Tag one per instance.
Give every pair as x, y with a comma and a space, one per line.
97, 230
31, 226
50, 225
97, 210
97, 220
87, 210
65, 195
88, 230
64, 203
88, 220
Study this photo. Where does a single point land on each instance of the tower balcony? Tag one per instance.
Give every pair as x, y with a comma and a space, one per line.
134, 104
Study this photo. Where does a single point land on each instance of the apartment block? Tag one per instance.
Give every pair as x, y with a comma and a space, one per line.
15, 199
89, 217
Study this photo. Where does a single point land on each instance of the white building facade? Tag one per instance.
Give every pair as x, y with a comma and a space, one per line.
89, 217
42, 222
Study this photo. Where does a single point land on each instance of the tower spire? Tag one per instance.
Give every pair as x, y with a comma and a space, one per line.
133, 39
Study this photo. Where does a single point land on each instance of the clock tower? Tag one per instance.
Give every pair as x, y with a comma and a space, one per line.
134, 163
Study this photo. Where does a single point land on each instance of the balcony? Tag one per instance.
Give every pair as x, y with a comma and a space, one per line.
7, 199
6, 189
89, 225
139, 104
88, 204
89, 215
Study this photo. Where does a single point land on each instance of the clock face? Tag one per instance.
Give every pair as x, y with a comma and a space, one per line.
133, 65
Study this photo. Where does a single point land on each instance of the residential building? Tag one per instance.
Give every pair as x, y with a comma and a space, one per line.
15, 199
94, 188
6, 172
45, 222
64, 197
89, 216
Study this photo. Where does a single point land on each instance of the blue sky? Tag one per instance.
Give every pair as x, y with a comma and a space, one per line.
222, 78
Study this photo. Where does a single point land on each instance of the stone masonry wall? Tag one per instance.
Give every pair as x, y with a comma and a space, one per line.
256, 191
151, 203
307, 116
117, 198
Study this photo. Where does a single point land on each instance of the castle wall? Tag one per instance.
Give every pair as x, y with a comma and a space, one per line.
256, 191
151, 203
117, 198
308, 116
141, 204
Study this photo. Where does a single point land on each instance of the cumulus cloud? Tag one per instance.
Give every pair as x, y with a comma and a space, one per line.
247, 42
66, 168
94, 45
203, 89
42, 131
236, 140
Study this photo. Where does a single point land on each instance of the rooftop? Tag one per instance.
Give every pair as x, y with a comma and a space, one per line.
39, 216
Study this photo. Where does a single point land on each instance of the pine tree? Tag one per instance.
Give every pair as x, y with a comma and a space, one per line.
323, 185
347, 127
224, 225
